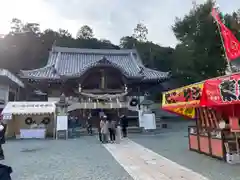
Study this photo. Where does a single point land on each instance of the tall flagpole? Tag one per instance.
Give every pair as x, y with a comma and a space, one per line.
224, 48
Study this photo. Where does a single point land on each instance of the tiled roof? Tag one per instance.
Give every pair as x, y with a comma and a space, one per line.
11, 77
72, 62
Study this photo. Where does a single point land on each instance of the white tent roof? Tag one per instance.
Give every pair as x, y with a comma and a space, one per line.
24, 107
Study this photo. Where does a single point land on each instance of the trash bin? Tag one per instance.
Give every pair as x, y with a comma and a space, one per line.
5, 172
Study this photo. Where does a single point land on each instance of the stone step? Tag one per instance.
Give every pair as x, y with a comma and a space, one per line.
135, 130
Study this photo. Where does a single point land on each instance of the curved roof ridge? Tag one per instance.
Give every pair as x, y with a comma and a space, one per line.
39, 69
157, 71
92, 51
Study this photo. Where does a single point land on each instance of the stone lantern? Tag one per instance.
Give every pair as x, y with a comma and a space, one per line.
61, 106
145, 105
62, 118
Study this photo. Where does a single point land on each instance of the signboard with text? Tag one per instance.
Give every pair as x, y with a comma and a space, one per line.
183, 97
221, 91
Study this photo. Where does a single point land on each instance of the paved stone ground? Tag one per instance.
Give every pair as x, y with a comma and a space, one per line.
174, 146
144, 164
84, 158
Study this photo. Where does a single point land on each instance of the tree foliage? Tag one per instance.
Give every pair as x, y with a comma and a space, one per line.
199, 55
140, 32
85, 32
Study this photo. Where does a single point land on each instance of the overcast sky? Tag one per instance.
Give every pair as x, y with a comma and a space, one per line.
110, 19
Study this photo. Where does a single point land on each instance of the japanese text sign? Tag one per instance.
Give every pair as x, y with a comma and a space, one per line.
221, 91
187, 112
187, 96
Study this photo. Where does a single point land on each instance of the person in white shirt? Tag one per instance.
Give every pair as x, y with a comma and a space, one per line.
104, 129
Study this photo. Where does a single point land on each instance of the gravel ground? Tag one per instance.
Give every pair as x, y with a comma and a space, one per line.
84, 158
174, 146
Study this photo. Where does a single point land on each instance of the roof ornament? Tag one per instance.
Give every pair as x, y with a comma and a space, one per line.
141, 70
104, 61
169, 73
135, 61
57, 61
54, 71
134, 46
55, 66
54, 45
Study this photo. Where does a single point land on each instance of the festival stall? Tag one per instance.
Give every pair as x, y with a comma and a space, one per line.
29, 119
213, 104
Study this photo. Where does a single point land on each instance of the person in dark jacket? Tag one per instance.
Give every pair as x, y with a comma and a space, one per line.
124, 124
2, 138
89, 126
5, 172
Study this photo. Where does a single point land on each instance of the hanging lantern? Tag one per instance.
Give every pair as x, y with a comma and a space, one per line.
46, 121
28, 121
134, 102
79, 88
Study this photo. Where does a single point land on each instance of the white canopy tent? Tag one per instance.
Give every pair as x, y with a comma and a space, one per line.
25, 107
27, 119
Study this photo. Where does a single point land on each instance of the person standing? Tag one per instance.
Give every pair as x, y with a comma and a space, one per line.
100, 124
89, 126
104, 129
124, 124
112, 131
2, 139
107, 124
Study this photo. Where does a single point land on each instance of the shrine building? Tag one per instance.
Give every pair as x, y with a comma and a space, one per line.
94, 80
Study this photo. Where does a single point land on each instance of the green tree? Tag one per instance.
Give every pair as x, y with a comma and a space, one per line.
16, 25
85, 32
64, 33
140, 32
200, 49
128, 42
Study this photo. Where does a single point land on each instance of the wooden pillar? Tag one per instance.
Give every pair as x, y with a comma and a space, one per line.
103, 84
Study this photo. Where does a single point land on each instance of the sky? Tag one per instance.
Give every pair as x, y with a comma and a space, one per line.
109, 19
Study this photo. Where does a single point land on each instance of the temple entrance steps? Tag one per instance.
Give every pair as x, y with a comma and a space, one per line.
163, 118
158, 122
78, 132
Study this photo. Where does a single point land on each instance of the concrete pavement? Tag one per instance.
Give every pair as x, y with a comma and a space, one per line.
81, 159
147, 157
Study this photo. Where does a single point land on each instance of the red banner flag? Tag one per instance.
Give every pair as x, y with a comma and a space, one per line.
230, 42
